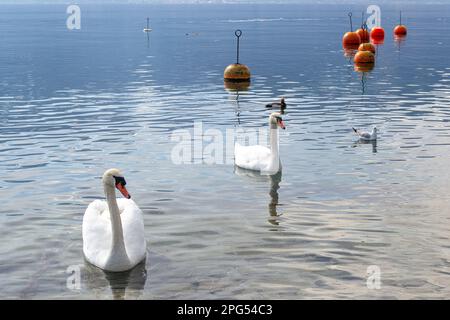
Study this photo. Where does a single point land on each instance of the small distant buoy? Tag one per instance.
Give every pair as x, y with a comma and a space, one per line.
351, 38
366, 47
377, 33
400, 29
237, 72
362, 57
148, 28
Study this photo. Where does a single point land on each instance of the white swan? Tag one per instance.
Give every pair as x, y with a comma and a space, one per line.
261, 158
366, 136
113, 230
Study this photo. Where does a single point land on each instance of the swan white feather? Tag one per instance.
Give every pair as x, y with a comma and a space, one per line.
252, 157
98, 245
260, 158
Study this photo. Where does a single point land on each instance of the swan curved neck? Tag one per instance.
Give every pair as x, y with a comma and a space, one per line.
118, 244
274, 164
274, 141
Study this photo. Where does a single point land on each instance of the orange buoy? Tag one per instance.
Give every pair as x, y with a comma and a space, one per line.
362, 57
366, 47
351, 39
400, 29
363, 35
363, 32
377, 33
237, 72
364, 67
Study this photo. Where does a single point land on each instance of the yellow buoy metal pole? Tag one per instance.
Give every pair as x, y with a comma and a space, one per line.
237, 72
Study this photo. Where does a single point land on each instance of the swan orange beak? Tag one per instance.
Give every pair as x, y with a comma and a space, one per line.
123, 190
281, 124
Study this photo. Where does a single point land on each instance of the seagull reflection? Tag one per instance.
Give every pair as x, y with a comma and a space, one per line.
372, 142
274, 181
123, 285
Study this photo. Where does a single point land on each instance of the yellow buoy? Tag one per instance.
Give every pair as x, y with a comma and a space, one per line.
237, 85
237, 72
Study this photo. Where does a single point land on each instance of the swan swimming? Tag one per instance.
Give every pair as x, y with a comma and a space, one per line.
113, 230
366, 136
261, 158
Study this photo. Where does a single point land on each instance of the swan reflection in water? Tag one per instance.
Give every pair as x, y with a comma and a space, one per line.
123, 285
274, 182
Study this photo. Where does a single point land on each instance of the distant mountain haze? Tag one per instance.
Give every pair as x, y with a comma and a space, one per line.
364, 2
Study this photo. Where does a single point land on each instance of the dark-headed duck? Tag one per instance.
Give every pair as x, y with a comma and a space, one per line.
280, 104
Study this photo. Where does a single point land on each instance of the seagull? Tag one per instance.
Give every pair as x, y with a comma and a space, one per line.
366, 136
280, 104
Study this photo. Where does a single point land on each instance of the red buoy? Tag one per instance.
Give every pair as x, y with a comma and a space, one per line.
400, 29
363, 57
377, 41
366, 47
377, 33
399, 38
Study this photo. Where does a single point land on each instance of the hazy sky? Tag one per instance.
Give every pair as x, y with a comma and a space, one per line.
224, 1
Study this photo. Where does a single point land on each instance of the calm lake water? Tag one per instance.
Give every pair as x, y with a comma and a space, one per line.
74, 103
